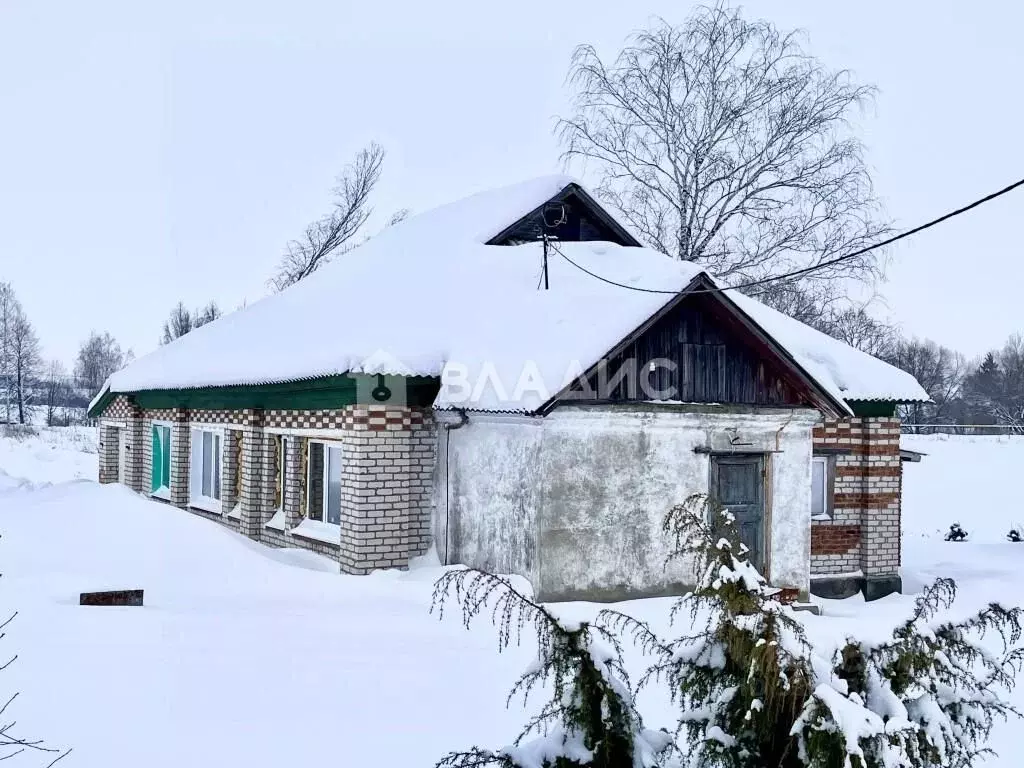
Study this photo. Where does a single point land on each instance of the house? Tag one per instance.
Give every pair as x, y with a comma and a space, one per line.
515, 380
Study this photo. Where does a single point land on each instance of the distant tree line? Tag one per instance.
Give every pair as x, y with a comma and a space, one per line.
985, 391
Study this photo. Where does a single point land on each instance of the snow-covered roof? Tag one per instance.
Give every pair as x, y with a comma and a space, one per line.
836, 366
427, 296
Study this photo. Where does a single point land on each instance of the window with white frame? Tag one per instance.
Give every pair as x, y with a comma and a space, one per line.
323, 482
821, 486
205, 469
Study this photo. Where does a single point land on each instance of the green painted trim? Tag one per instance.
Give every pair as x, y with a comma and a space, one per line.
101, 404
325, 393
873, 408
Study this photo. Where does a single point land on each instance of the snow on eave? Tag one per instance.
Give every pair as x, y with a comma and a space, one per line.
99, 396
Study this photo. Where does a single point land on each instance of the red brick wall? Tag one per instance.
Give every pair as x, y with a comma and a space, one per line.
834, 539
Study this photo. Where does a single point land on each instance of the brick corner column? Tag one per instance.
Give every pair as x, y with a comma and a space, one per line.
134, 474
880, 544
181, 446
379, 527
423, 455
251, 467
295, 481
229, 450
108, 454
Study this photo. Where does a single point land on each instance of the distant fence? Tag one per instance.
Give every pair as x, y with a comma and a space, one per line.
961, 429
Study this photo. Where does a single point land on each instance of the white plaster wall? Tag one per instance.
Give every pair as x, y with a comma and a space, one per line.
488, 490
575, 501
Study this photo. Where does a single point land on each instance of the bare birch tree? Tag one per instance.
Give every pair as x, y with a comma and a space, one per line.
56, 393
8, 307
98, 357
25, 360
331, 234
722, 141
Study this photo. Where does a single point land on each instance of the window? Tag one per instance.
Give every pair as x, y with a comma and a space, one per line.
281, 465
160, 475
821, 486
324, 483
205, 474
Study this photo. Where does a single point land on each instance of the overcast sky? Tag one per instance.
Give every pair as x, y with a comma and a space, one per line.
148, 156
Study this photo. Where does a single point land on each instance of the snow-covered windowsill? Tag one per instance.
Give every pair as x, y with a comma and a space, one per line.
317, 530
824, 517
207, 505
164, 494
235, 513
277, 522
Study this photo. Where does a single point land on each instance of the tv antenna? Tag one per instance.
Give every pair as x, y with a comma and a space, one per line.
553, 216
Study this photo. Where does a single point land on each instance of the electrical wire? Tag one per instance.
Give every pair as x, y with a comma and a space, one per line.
813, 267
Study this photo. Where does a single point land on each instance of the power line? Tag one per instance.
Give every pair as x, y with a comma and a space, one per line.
814, 267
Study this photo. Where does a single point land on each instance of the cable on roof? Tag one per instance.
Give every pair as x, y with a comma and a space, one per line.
814, 267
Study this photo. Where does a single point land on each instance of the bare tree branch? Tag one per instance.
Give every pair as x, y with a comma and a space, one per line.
329, 235
723, 142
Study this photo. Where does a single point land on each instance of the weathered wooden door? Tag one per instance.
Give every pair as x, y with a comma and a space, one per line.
737, 482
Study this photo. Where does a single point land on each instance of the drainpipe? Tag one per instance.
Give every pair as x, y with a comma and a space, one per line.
448, 427
778, 433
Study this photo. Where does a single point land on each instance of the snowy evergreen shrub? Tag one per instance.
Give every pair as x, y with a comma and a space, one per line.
590, 720
1016, 534
928, 698
956, 533
751, 690
742, 673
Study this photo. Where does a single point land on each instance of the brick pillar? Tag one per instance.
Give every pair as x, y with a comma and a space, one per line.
135, 437
386, 466
880, 528
108, 454
181, 445
423, 458
229, 471
295, 482
252, 469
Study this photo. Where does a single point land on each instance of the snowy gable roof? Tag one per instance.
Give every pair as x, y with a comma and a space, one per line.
428, 296
854, 375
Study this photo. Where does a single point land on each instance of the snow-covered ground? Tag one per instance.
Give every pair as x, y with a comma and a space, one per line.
44, 455
255, 657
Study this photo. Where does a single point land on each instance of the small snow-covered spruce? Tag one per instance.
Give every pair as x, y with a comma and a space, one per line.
743, 672
956, 533
590, 721
926, 699
1016, 534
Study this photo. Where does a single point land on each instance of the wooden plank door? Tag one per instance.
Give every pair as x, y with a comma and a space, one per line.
737, 482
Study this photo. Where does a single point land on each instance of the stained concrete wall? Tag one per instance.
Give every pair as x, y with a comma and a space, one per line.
575, 501
488, 486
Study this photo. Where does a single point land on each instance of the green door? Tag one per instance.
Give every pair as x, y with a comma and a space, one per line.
161, 465
737, 482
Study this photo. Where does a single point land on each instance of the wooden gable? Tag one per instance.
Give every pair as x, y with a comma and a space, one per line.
715, 355
584, 220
